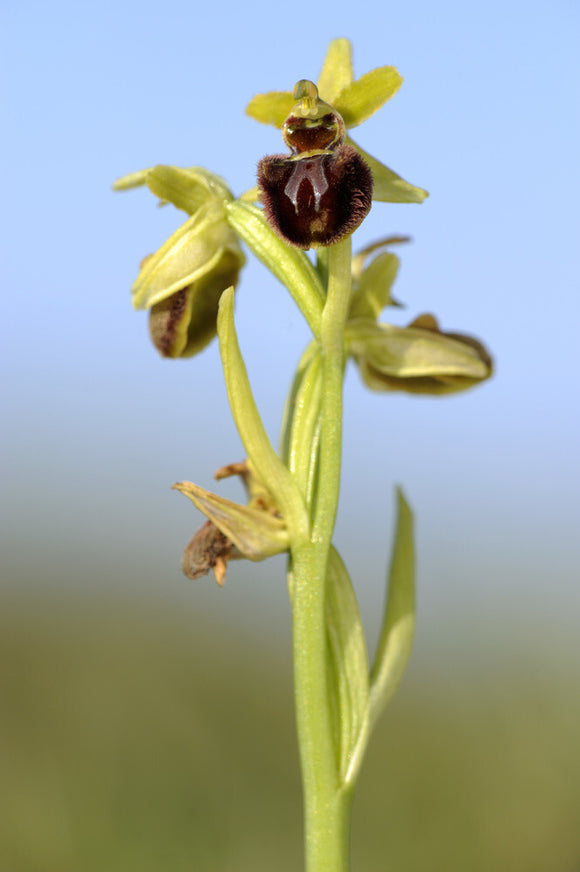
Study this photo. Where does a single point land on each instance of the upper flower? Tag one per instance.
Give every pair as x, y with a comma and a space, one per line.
355, 101
321, 191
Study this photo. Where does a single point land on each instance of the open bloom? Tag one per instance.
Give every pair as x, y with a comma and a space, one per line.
323, 190
355, 101
182, 282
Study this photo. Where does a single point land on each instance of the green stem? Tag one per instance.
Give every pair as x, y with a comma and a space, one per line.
326, 802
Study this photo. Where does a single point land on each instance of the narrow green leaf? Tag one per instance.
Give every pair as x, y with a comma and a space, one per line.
257, 534
130, 181
363, 97
374, 288
336, 73
348, 680
270, 108
396, 638
388, 187
269, 468
290, 265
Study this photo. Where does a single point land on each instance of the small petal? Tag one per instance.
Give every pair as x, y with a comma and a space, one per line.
365, 96
373, 290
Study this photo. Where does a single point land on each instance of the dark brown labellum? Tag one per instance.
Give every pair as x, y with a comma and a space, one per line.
316, 199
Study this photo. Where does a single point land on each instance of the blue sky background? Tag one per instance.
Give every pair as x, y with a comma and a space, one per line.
98, 426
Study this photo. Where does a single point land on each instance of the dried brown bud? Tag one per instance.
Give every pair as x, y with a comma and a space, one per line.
208, 549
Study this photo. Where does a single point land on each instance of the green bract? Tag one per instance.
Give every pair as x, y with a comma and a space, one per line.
355, 100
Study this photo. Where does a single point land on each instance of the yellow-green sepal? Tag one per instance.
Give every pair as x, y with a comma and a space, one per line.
365, 96
131, 180
271, 108
337, 72
187, 188
388, 187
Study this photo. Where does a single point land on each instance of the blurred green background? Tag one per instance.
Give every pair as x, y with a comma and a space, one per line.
146, 722
133, 738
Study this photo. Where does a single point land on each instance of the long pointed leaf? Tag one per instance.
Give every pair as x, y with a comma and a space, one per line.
269, 468
396, 638
347, 666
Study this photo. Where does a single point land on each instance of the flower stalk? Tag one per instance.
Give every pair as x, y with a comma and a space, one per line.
326, 803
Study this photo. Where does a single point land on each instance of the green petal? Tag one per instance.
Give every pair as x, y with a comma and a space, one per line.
290, 265
348, 680
132, 180
191, 252
269, 468
363, 97
257, 534
374, 288
388, 187
270, 108
397, 631
188, 189
337, 72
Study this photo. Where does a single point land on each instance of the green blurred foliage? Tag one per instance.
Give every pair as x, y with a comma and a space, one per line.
132, 740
